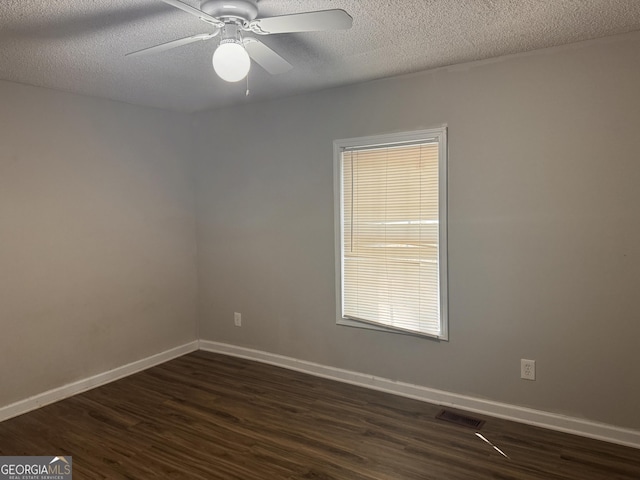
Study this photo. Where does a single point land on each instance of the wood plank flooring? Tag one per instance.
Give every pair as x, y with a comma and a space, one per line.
208, 416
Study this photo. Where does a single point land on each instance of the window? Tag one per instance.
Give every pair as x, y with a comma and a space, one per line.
391, 256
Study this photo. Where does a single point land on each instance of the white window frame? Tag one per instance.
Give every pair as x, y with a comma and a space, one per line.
438, 134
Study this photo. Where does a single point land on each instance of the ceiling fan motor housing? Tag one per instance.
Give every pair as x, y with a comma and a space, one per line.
243, 10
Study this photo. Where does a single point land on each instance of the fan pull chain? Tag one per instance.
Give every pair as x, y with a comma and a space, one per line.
247, 92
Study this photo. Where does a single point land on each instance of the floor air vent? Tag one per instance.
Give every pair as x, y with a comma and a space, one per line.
459, 419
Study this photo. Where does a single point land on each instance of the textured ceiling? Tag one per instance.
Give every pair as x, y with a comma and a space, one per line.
79, 46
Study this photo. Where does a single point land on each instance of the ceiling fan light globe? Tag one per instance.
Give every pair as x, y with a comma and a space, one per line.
231, 62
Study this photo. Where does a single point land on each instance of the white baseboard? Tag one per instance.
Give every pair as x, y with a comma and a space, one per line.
552, 421
539, 418
66, 391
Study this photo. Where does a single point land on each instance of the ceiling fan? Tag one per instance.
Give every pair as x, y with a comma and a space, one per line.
230, 18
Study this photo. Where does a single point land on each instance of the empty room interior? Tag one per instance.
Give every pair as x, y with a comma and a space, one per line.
332, 239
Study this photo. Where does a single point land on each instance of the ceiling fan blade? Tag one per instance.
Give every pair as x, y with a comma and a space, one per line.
172, 44
303, 22
265, 57
205, 17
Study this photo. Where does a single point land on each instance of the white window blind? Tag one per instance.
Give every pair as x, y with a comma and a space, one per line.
391, 236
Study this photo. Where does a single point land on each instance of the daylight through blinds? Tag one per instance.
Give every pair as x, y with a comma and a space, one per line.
390, 236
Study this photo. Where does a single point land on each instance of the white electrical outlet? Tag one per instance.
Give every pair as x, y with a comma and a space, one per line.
237, 319
527, 369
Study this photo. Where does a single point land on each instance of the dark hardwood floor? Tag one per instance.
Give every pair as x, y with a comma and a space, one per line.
207, 416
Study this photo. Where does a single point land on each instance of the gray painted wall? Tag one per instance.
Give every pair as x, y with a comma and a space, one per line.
544, 227
97, 237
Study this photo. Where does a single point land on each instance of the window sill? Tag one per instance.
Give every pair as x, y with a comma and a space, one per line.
347, 322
